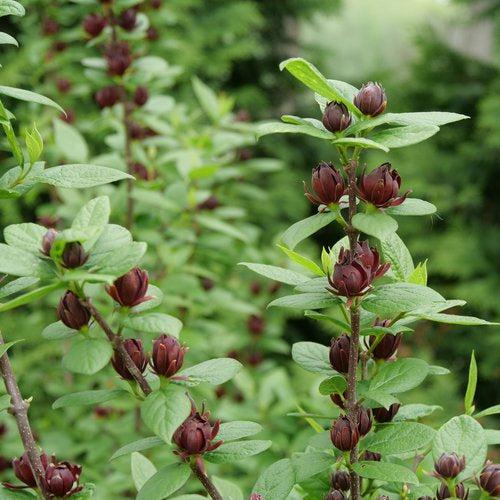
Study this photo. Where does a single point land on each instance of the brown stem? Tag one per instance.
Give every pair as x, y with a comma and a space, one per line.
19, 410
205, 480
351, 404
117, 343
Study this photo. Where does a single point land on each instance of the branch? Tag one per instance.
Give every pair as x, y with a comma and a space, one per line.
205, 480
19, 410
117, 343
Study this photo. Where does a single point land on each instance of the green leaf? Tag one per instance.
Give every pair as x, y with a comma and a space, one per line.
400, 438
17, 262
30, 297
219, 226
333, 385
312, 357
26, 236
312, 78
400, 137
376, 223
207, 98
412, 206
87, 398
309, 464
5, 347
302, 261
139, 445
400, 376
70, 142
229, 452
87, 355
120, 260
345, 89
6, 494
142, 469
232, 431
34, 144
81, 176
11, 8
5, 38
95, 213
397, 254
464, 436
227, 489
111, 238
419, 274
277, 481
360, 142
267, 128
492, 436
276, 273
4, 402
164, 411
454, 319
492, 410
305, 301
214, 371
26, 95
384, 471
390, 300
415, 411
154, 323
165, 482
156, 299
304, 228
471, 386
380, 397
17, 285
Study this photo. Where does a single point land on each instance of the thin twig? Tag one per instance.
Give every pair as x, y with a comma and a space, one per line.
205, 481
117, 343
19, 409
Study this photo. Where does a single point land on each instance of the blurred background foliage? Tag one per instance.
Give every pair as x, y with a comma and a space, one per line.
437, 55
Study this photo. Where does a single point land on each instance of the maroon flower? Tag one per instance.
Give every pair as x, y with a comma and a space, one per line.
93, 24
141, 95
155, 4
63, 85
137, 354
364, 421
141, 172
74, 255
62, 478
23, 472
108, 96
336, 117
335, 495
152, 34
168, 355
50, 26
381, 187
339, 400
371, 99
256, 324
449, 465
48, 240
256, 496
490, 479
71, 312
196, 434
128, 19
382, 415
118, 57
327, 184
343, 434
341, 480
460, 492
355, 271
130, 289
339, 353
211, 203
386, 345
371, 456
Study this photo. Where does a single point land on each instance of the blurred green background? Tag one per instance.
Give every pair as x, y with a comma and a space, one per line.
429, 55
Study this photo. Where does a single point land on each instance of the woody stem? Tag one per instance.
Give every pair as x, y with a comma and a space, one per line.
205, 480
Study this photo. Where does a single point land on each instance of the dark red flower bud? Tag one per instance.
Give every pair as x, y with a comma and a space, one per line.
256, 496
73, 255
381, 187
108, 96
130, 289
48, 240
343, 434
128, 19
255, 288
339, 400
256, 324
155, 4
59, 46
68, 116
48, 221
136, 352
335, 495
71, 312
490, 479
207, 284
196, 434
102, 412
355, 271
336, 117
50, 26
327, 183
141, 95
386, 346
93, 24
168, 355
255, 358
4, 464
449, 465
242, 115
274, 287
382, 415
61, 479
364, 421
140, 171
118, 57
63, 85
3, 430
371, 456
341, 480
244, 154
211, 203
152, 34
460, 492
371, 99
22, 468
339, 353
